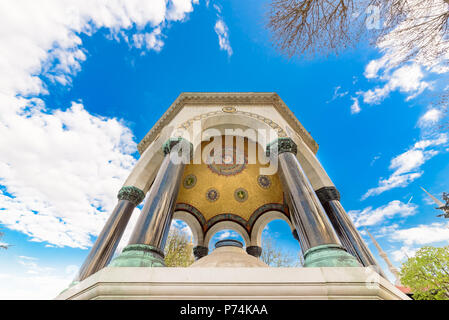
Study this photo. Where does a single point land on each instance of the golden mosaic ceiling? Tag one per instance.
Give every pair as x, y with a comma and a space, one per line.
230, 187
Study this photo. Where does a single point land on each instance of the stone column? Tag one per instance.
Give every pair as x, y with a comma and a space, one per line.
319, 242
345, 229
147, 242
200, 251
255, 251
102, 251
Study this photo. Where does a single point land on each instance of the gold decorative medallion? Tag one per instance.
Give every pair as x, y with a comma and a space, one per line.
241, 195
229, 109
212, 194
189, 181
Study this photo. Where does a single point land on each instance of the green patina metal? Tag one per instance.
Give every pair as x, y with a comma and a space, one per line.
139, 255
171, 142
329, 255
281, 145
132, 194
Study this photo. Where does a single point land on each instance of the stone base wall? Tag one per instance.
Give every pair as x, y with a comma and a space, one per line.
235, 283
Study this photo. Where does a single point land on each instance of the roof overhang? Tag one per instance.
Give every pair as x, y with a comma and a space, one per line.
248, 98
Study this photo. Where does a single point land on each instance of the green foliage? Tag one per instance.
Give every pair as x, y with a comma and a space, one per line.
178, 249
274, 256
427, 274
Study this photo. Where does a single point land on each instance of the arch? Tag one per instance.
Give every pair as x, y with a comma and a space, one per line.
247, 120
262, 221
194, 225
222, 225
221, 121
146, 167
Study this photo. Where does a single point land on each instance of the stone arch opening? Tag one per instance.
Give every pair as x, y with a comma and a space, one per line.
227, 225
193, 224
263, 221
279, 246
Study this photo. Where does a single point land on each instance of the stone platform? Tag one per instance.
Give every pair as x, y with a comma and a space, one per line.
235, 284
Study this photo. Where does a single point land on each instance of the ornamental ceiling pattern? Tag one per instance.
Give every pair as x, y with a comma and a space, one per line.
233, 187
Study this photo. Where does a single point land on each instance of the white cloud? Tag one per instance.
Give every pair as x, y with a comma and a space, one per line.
225, 234
337, 94
370, 216
403, 253
223, 36
407, 165
63, 169
355, 107
421, 58
179, 8
415, 237
407, 79
31, 280
148, 40
386, 230
423, 234
374, 160
430, 118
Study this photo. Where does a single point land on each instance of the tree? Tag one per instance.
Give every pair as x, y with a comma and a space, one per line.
178, 249
427, 274
274, 256
411, 28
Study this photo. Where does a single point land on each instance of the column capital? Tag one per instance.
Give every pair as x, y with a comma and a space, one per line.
326, 194
171, 142
200, 251
132, 194
255, 251
281, 145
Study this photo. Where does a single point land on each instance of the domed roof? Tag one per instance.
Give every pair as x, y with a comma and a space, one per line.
229, 257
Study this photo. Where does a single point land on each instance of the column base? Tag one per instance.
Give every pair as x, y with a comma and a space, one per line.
139, 255
329, 255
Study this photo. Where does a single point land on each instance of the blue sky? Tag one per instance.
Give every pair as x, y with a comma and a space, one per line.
82, 83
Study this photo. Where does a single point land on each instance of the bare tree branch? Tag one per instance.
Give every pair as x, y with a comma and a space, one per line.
417, 28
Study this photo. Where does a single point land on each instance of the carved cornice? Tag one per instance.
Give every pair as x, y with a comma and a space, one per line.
132, 194
228, 98
282, 145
